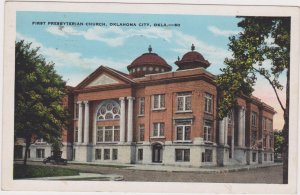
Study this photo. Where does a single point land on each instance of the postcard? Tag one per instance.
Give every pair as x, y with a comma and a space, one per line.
150, 97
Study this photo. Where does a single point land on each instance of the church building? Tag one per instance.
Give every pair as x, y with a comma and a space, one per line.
154, 115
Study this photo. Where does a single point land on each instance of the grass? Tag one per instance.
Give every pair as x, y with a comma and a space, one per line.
31, 171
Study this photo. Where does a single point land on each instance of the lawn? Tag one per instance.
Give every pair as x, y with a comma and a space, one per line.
32, 171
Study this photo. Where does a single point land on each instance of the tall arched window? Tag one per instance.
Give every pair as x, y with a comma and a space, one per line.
108, 110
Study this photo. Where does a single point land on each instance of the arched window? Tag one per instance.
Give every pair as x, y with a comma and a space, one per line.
108, 110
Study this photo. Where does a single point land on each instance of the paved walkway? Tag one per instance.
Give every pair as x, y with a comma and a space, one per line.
85, 176
168, 168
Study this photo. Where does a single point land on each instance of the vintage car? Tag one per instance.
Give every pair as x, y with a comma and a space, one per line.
55, 158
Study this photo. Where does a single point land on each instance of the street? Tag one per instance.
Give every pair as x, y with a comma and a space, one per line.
269, 175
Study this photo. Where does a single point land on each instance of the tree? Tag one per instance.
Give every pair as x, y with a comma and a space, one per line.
278, 143
38, 97
261, 39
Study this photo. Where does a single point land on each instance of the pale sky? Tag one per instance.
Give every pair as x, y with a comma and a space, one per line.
77, 50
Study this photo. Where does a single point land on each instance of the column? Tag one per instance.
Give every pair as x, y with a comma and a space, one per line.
243, 126
232, 133
221, 132
86, 122
130, 119
79, 122
225, 130
240, 127
122, 119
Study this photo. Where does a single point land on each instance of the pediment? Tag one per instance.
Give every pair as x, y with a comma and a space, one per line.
103, 76
104, 79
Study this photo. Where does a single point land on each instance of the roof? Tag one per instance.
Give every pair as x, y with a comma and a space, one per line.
192, 59
149, 59
93, 75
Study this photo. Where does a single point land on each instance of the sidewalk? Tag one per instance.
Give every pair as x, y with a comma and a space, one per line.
85, 176
169, 168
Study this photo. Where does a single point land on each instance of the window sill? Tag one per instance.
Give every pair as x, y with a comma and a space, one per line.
185, 111
140, 115
158, 109
159, 137
208, 142
210, 113
182, 141
182, 161
106, 142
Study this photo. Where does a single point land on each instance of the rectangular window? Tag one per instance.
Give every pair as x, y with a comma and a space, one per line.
40, 153
158, 129
182, 155
158, 101
264, 123
207, 155
108, 134
141, 106
271, 157
106, 154
207, 130
208, 103
100, 130
115, 154
270, 125
116, 133
253, 157
76, 134
141, 132
265, 157
97, 154
76, 111
183, 132
184, 101
140, 154
265, 142
253, 119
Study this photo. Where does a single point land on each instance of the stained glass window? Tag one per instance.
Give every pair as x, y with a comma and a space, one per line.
108, 110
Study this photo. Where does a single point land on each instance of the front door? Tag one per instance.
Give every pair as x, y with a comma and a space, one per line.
157, 153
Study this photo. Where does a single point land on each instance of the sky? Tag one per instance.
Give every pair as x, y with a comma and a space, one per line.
78, 43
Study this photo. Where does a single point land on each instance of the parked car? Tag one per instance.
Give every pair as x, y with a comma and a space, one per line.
55, 159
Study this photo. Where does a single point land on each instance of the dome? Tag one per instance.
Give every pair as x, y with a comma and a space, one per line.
192, 59
148, 63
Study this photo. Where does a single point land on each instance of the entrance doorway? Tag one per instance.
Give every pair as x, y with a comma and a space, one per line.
157, 153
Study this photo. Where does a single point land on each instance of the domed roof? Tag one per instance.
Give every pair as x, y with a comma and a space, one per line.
192, 56
148, 63
192, 59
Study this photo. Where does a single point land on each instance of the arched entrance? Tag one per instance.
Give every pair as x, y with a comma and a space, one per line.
157, 153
